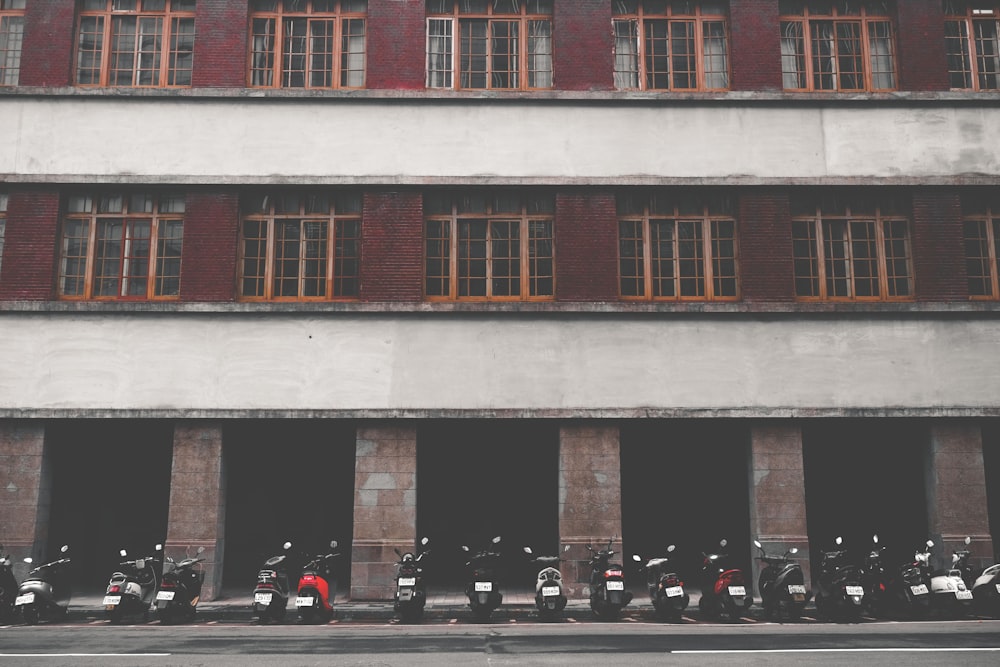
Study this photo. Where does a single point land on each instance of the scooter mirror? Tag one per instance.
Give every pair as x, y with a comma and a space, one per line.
636, 558
875, 539
287, 545
123, 553
565, 548
793, 550
29, 560
930, 543
465, 548
968, 540
159, 547
333, 544
839, 540
496, 540
424, 541
527, 550
723, 542
671, 548
757, 544
200, 550
64, 548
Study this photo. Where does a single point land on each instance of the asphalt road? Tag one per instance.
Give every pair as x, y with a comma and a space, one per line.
971, 642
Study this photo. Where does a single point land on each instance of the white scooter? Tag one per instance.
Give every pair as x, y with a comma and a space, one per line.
550, 597
949, 593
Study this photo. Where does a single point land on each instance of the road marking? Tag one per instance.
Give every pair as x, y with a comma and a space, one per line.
84, 655
903, 649
454, 620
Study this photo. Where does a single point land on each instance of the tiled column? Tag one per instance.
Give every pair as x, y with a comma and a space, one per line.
197, 516
385, 507
590, 498
25, 486
778, 493
956, 491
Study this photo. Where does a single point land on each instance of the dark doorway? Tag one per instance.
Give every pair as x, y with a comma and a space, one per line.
287, 480
479, 479
110, 491
865, 477
684, 482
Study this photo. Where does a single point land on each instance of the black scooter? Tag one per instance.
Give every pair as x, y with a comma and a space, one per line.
180, 589
411, 592
132, 588
8, 588
666, 590
270, 595
607, 583
782, 585
483, 591
840, 592
46, 591
550, 597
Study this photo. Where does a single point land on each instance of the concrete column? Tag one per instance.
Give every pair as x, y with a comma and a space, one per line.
197, 515
26, 490
956, 491
590, 498
777, 493
385, 507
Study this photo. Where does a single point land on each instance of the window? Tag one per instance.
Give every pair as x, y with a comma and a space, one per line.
300, 246
846, 45
121, 246
971, 35
851, 247
481, 247
11, 38
676, 247
308, 43
3, 225
135, 43
671, 45
981, 219
491, 44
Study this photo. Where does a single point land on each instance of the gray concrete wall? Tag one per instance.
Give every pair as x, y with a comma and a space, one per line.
369, 364
378, 139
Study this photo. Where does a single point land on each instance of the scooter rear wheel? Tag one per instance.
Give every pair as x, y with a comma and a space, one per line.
30, 614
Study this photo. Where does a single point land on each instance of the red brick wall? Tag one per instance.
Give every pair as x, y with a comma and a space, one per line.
220, 45
49, 35
582, 46
765, 236
586, 244
922, 63
29, 253
755, 51
396, 40
210, 250
939, 272
392, 234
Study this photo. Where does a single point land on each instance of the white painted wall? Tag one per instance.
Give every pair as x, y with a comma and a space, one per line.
177, 362
156, 139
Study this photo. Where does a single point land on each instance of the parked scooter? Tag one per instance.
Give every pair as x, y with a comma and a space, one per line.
8, 588
949, 594
46, 591
607, 583
723, 589
985, 586
782, 585
840, 593
876, 581
132, 588
317, 587
483, 591
666, 590
550, 598
411, 592
180, 589
912, 585
270, 595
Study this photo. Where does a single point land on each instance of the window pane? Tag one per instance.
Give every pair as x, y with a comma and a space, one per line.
472, 257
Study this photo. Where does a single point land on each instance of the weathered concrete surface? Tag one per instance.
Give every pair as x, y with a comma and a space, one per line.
240, 140
237, 364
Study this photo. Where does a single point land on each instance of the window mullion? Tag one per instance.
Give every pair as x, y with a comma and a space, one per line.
647, 258
453, 256
824, 293
270, 259
707, 259
991, 241
300, 279
154, 225
883, 268
331, 261
524, 261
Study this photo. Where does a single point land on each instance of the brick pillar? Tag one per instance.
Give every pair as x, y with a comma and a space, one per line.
385, 507
197, 515
583, 46
756, 45
586, 244
211, 233
29, 257
590, 498
26, 488
765, 238
920, 59
939, 266
956, 491
49, 38
392, 246
220, 47
396, 44
777, 493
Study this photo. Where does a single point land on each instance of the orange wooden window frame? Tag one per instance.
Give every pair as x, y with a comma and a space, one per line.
967, 43
10, 58
987, 239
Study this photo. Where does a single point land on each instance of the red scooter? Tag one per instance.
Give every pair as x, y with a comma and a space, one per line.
317, 588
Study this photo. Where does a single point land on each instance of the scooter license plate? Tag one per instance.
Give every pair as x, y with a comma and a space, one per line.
548, 591
737, 590
28, 598
304, 602
673, 591
796, 589
165, 595
111, 600
963, 595
856, 590
484, 586
407, 581
262, 598
920, 589
616, 585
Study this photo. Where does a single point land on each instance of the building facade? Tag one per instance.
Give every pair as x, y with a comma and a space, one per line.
562, 270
